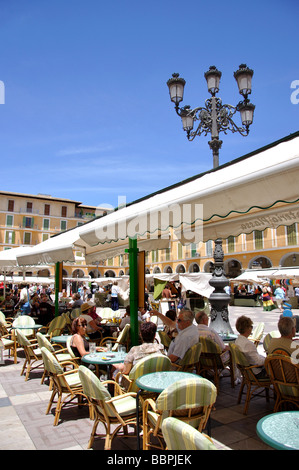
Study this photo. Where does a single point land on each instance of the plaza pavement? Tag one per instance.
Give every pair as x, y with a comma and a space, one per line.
25, 426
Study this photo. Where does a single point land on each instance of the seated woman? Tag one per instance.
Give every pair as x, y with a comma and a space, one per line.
148, 332
79, 344
244, 326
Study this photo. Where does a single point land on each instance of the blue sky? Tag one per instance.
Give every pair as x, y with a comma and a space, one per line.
87, 114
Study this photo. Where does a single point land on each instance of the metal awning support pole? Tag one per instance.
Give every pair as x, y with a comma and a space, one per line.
133, 267
57, 268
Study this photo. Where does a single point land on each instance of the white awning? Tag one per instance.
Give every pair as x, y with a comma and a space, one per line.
253, 192
250, 193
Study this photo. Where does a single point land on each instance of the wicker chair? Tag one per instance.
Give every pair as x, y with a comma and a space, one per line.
181, 436
268, 337
122, 339
33, 357
190, 361
165, 339
9, 344
284, 374
214, 360
55, 327
189, 400
119, 410
64, 382
249, 379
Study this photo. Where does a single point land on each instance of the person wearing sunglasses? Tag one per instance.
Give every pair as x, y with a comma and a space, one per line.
187, 336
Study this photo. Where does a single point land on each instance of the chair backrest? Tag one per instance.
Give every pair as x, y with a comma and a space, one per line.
165, 339
122, 338
284, 374
25, 343
52, 365
191, 356
3, 319
76, 312
152, 363
43, 342
95, 390
68, 346
210, 353
268, 337
181, 436
187, 393
24, 320
238, 357
56, 326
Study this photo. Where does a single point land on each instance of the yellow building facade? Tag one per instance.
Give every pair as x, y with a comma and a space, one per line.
26, 220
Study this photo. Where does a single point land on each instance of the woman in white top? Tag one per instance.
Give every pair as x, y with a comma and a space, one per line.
244, 326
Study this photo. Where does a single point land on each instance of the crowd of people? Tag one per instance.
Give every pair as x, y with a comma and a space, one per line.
183, 328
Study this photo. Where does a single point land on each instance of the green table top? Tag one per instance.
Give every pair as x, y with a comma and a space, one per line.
36, 326
280, 430
158, 381
60, 339
103, 358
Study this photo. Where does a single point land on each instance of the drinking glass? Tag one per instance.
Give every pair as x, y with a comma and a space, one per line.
123, 351
92, 348
108, 346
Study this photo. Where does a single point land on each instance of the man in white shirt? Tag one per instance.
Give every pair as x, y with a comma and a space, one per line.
204, 330
187, 336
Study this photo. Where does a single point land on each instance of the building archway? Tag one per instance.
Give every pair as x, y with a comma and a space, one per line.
156, 270
290, 260
260, 262
78, 273
209, 267
180, 269
44, 272
232, 268
167, 269
109, 273
194, 268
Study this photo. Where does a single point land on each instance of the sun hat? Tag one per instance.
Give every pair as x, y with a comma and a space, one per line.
85, 307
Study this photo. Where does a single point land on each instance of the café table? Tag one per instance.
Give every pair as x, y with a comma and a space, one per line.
157, 382
228, 337
280, 430
61, 339
34, 327
104, 359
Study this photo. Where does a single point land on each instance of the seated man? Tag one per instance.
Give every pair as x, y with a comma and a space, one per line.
204, 330
46, 311
187, 336
285, 344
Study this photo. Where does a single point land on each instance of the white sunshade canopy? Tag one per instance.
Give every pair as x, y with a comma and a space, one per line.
224, 202
251, 193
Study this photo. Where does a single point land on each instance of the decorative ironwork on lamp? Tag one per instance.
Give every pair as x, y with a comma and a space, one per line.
214, 117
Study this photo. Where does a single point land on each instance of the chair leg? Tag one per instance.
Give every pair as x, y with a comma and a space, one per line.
57, 411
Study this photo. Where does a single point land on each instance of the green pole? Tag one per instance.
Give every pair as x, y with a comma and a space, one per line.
56, 289
133, 267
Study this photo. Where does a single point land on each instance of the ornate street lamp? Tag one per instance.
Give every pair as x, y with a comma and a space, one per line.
215, 117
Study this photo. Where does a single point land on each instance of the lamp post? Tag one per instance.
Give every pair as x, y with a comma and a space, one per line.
214, 118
